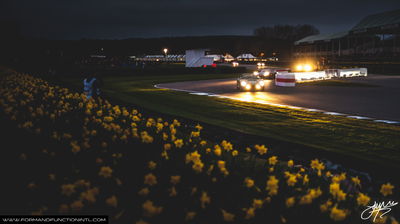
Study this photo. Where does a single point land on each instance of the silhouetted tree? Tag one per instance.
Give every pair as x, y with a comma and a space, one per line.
286, 32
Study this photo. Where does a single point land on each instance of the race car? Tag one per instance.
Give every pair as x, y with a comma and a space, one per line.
269, 73
250, 82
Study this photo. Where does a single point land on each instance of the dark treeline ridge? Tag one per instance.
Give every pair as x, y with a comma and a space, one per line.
234, 45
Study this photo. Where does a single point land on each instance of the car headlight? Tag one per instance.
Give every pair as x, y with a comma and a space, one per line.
248, 86
266, 73
243, 83
258, 86
255, 73
261, 83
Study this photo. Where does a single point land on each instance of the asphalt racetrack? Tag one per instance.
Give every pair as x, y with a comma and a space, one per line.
381, 101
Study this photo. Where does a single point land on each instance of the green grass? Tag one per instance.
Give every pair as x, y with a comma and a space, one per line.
365, 141
342, 83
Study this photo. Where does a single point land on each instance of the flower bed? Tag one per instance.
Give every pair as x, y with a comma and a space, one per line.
102, 158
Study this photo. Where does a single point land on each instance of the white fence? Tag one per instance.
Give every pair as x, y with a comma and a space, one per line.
289, 79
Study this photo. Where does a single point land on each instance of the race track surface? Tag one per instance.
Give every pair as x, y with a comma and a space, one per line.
380, 102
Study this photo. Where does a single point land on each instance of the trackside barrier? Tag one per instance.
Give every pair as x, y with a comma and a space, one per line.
309, 76
350, 72
285, 79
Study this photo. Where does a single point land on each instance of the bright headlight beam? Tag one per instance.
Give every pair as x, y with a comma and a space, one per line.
243, 83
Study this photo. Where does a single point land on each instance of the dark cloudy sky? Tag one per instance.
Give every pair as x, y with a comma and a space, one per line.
116, 19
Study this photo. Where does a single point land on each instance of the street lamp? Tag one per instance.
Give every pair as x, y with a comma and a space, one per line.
165, 52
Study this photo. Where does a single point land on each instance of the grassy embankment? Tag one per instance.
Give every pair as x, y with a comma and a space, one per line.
365, 141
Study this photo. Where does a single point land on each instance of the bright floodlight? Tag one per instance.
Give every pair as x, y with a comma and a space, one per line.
307, 67
248, 86
255, 73
165, 50
299, 67
258, 86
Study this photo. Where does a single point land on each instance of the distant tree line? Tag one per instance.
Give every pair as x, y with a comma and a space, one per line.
286, 32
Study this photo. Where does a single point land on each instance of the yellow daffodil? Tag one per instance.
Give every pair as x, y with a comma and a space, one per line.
198, 167
217, 150
257, 203
105, 172
150, 179
152, 165
250, 213
292, 180
261, 149
272, 186
108, 119
175, 179
204, 199
363, 199
306, 180
199, 127
235, 153
290, 163
90, 195
68, 189
386, 189
338, 214
195, 134
228, 217
290, 202
248, 182
150, 210
178, 143
272, 160
144, 191
325, 206
167, 146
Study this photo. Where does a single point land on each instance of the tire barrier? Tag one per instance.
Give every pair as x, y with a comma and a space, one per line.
285, 79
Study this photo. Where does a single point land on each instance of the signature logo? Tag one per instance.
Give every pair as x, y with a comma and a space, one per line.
376, 209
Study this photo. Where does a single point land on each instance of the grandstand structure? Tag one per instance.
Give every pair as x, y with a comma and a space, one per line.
375, 37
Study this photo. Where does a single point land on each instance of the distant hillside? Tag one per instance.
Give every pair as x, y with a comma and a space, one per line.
234, 45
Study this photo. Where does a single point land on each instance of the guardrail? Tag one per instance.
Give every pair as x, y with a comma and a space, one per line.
288, 79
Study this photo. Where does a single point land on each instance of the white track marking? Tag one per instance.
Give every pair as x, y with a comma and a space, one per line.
280, 105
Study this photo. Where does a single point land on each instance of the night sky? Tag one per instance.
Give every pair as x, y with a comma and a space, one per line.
117, 19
